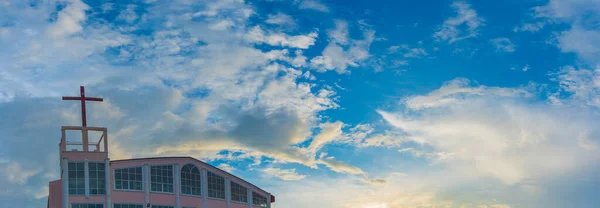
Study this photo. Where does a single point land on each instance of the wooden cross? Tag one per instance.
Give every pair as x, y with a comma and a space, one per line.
82, 98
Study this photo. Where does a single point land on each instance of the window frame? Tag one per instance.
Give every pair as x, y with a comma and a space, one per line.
200, 181
258, 205
95, 204
173, 177
231, 192
69, 178
162, 206
134, 190
103, 174
208, 186
129, 204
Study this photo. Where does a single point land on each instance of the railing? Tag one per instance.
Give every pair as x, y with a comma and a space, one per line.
84, 139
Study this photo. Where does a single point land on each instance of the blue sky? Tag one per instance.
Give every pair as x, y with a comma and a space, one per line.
368, 104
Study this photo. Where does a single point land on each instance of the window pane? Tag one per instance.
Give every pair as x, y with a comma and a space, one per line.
96, 178
216, 186
162, 178
76, 178
127, 179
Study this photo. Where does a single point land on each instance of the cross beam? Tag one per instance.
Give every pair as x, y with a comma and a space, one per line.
82, 98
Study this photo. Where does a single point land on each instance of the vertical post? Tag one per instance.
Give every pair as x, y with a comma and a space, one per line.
82, 95
250, 202
269, 201
65, 183
107, 182
86, 169
204, 187
105, 141
84, 136
176, 185
228, 192
146, 185
63, 141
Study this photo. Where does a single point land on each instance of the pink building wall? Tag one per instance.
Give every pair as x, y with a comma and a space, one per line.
139, 197
55, 194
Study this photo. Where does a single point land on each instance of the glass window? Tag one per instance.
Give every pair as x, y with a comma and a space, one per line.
239, 193
87, 205
128, 206
97, 178
259, 200
161, 178
161, 206
216, 186
128, 179
76, 178
190, 180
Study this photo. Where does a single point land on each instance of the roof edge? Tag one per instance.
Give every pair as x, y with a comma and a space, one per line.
188, 157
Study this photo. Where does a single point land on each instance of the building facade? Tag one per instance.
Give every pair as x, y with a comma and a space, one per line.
89, 179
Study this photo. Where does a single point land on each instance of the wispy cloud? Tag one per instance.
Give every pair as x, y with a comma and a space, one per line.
407, 51
226, 167
314, 5
503, 45
258, 35
451, 30
342, 51
281, 19
284, 174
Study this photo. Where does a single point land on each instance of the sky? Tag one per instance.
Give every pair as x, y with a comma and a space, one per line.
339, 104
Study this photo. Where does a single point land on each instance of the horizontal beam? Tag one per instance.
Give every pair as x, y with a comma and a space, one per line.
84, 128
79, 143
85, 98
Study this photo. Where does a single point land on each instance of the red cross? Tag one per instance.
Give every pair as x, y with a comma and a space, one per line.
83, 99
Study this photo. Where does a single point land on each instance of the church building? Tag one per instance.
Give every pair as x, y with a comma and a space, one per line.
89, 179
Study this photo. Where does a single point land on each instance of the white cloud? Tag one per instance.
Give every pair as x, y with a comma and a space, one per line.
585, 43
449, 93
128, 15
407, 51
579, 85
16, 173
221, 25
530, 27
257, 35
581, 37
382, 140
69, 20
217, 7
452, 29
329, 132
503, 44
226, 167
340, 167
497, 133
342, 51
526, 67
281, 19
284, 174
314, 5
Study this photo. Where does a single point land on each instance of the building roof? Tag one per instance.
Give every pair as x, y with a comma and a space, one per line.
188, 157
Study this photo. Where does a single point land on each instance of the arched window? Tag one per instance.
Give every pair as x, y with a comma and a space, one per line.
190, 180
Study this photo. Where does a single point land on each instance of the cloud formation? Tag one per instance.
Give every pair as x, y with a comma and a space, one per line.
464, 25
313, 5
503, 45
284, 174
498, 133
